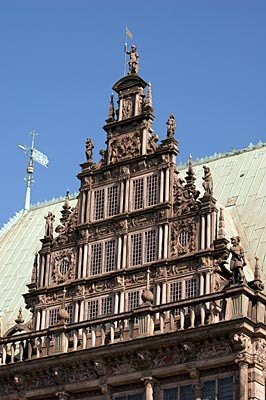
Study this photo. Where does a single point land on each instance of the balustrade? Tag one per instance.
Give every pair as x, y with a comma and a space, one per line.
144, 321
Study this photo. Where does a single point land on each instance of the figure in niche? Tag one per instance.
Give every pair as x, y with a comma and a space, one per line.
207, 181
127, 109
171, 126
49, 225
238, 261
133, 60
89, 147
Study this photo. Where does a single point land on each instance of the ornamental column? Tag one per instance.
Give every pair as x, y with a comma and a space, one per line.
149, 383
243, 380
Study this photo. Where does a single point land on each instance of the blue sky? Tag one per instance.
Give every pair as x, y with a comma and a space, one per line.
206, 61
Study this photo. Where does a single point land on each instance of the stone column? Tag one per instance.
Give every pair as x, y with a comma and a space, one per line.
85, 257
126, 196
202, 234
80, 252
243, 380
161, 186
121, 198
208, 239
195, 376
167, 184
149, 382
165, 244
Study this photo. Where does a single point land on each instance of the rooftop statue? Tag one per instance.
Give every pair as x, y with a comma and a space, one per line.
238, 261
89, 148
207, 181
171, 126
49, 229
133, 60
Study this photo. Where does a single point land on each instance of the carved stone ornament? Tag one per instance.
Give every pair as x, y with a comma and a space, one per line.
127, 108
125, 147
62, 263
183, 237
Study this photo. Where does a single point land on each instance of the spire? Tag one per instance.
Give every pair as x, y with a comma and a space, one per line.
257, 284
221, 226
66, 209
35, 155
148, 101
111, 114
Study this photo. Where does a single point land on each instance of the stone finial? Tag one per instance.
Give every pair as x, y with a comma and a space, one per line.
190, 179
111, 113
221, 225
34, 270
63, 314
148, 100
257, 283
66, 209
133, 60
89, 148
19, 319
171, 126
207, 181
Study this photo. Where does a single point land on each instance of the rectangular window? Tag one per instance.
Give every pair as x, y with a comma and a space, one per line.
53, 316
105, 202
145, 191
70, 310
150, 246
137, 194
98, 210
191, 288
152, 190
112, 201
107, 305
103, 257
175, 291
139, 396
143, 247
93, 309
179, 393
136, 249
225, 388
133, 300
171, 394
96, 258
109, 255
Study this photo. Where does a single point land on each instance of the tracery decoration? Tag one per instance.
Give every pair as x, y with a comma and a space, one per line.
183, 237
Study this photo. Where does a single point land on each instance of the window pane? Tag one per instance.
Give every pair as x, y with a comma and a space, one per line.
137, 201
98, 204
135, 249
133, 300
225, 387
70, 310
171, 394
150, 246
208, 391
152, 190
96, 258
107, 305
112, 201
176, 291
191, 288
109, 255
187, 393
93, 309
53, 314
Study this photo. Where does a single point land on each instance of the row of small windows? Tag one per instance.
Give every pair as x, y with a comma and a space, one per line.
142, 249
143, 193
183, 289
218, 389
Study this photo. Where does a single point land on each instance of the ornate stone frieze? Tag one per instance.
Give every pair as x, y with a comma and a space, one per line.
142, 220
214, 350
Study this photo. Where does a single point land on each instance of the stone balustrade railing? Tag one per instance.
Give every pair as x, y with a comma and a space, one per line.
147, 320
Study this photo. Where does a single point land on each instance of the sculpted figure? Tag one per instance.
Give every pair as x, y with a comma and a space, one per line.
238, 261
207, 181
171, 126
89, 147
49, 226
133, 60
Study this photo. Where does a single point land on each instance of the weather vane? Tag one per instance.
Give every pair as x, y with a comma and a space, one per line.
35, 155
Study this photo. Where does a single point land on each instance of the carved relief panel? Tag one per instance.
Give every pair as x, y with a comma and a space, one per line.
62, 266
